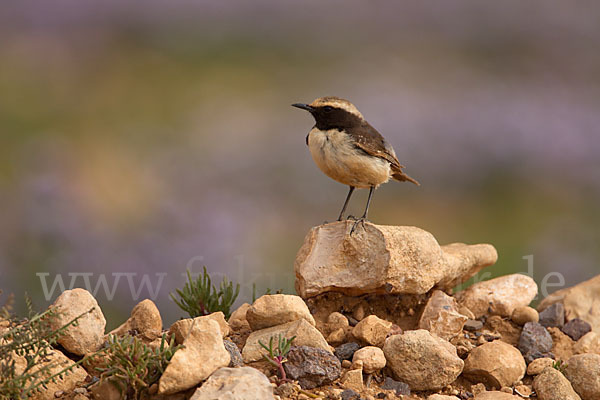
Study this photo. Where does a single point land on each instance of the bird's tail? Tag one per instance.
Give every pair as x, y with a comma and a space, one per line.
402, 177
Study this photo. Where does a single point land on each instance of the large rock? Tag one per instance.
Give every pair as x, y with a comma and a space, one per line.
306, 335
244, 383
312, 367
441, 316
277, 309
383, 259
57, 362
423, 361
583, 371
580, 301
202, 354
88, 334
145, 321
496, 364
498, 296
182, 327
552, 385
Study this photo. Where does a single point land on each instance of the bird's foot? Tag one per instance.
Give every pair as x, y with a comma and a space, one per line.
359, 221
351, 217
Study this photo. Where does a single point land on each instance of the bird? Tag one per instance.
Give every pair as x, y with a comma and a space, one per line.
349, 150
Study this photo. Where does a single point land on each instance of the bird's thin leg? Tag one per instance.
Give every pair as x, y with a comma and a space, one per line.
368, 202
346, 202
364, 217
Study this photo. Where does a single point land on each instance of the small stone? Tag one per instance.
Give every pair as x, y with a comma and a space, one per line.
441, 316
303, 396
244, 383
337, 320
497, 364
80, 390
145, 320
576, 328
346, 350
306, 335
59, 393
312, 367
106, 390
523, 390
506, 389
478, 388
535, 341
523, 314
496, 395
277, 309
87, 335
499, 296
359, 312
580, 301
441, 397
372, 357
349, 394
234, 354
473, 325
237, 320
401, 388
372, 330
589, 343
346, 364
538, 365
552, 385
423, 361
353, 379
203, 353
336, 337
583, 371
182, 327
286, 389
358, 364
553, 316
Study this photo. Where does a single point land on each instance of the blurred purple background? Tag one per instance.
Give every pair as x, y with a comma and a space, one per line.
146, 137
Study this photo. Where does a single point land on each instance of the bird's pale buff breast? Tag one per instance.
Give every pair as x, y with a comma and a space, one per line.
335, 154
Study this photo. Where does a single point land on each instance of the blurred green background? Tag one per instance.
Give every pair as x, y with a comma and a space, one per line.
143, 138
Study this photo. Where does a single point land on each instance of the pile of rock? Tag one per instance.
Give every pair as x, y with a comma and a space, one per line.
375, 319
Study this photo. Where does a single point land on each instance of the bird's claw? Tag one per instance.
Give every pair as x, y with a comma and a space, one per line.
356, 223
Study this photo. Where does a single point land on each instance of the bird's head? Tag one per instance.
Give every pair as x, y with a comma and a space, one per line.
332, 112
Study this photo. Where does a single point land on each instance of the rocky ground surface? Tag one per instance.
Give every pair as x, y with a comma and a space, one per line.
376, 319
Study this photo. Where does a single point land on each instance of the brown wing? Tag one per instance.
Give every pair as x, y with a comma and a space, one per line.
371, 142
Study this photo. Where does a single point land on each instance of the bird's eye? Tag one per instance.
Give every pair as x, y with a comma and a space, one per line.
328, 109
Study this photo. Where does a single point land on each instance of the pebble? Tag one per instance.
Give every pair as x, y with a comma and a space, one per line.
576, 328
553, 316
473, 325
535, 341
346, 350
523, 314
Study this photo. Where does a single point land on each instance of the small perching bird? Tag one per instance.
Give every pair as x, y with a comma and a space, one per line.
349, 150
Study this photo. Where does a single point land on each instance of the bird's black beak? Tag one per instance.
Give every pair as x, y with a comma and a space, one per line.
303, 106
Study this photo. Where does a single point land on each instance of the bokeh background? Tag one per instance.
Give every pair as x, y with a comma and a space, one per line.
149, 137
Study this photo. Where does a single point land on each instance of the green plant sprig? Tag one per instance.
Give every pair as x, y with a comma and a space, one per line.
277, 355
200, 297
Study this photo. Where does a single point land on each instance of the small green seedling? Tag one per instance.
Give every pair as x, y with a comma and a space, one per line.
277, 356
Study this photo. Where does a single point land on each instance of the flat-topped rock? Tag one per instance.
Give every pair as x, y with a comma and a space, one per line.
383, 259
